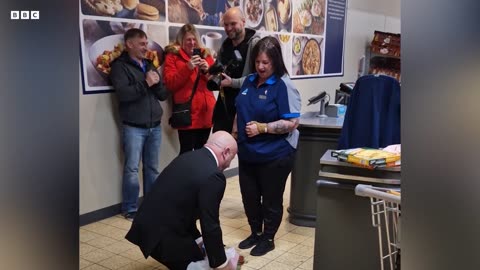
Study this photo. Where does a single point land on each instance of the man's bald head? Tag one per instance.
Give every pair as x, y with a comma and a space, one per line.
234, 13
224, 146
222, 139
234, 25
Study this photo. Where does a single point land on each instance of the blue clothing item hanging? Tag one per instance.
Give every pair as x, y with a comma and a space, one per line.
373, 113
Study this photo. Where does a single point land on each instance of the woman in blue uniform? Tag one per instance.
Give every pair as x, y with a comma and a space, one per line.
268, 111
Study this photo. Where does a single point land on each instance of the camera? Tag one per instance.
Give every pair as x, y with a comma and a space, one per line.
218, 68
216, 71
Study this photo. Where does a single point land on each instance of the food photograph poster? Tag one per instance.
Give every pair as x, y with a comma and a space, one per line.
311, 32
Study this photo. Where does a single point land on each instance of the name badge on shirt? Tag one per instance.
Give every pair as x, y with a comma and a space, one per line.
262, 97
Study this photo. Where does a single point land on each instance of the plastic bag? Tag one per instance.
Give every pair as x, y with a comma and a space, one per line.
232, 256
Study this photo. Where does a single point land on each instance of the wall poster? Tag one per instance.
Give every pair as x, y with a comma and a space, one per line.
311, 32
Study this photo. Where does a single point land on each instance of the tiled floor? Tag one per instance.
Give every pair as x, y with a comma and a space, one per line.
102, 244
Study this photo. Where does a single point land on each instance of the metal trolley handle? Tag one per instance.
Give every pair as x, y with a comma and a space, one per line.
376, 192
386, 205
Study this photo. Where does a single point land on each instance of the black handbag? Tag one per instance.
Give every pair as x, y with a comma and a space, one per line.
182, 112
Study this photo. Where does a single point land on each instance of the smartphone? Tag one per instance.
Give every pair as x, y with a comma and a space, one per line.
196, 51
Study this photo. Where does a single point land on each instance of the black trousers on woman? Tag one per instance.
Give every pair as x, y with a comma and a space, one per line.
192, 139
262, 186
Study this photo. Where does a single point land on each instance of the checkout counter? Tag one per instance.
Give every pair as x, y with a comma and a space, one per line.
322, 189
317, 135
344, 236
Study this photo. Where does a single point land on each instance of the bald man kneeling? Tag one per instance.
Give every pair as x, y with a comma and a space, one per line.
189, 188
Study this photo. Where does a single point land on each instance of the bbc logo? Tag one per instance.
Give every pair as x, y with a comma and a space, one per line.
24, 15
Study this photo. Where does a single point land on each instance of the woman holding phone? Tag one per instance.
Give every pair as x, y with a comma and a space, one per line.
186, 60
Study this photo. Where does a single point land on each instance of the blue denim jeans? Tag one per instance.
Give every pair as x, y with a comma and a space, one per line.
139, 144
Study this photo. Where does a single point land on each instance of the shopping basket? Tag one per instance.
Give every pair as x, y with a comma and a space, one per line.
385, 208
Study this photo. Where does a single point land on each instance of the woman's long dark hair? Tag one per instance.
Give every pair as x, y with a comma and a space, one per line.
271, 47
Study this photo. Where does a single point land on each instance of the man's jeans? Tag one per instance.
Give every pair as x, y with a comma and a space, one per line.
139, 144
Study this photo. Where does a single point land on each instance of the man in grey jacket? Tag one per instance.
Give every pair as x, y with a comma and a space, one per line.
241, 39
139, 88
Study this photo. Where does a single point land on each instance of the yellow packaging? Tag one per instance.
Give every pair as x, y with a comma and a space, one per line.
368, 157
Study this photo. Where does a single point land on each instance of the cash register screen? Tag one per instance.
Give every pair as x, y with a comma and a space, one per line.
347, 87
342, 95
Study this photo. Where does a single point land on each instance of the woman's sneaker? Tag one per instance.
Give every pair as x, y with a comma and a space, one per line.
263, 247
251, 241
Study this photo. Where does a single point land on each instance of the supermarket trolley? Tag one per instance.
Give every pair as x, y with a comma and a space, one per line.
385, 208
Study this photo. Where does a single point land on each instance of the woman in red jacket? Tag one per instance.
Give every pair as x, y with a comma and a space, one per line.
179, 73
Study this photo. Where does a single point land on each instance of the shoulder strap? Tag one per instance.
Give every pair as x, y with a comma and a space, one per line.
194, 86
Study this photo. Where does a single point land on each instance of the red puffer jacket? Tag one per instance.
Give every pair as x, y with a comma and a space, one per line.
179, 80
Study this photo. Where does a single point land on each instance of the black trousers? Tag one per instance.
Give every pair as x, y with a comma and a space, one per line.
192, 139
225, 110
262, 187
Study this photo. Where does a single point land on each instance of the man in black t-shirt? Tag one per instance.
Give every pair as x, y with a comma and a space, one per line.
241, 39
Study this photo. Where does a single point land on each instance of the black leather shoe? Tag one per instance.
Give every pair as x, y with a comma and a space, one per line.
251, 241
263, 247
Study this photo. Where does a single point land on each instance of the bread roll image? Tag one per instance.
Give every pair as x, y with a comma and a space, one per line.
103, 7
178, 12
147, 12
284, 10
159, 4
130, 4
297, 23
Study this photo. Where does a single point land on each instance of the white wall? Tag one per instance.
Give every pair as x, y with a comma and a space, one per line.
389, 8
100, 153
101, 157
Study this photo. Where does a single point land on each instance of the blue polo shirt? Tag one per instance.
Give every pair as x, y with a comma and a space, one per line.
143, 66
276, 99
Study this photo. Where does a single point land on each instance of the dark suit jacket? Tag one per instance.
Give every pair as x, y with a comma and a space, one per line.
190, 187
373, 114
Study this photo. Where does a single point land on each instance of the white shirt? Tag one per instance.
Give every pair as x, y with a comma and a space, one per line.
213, 154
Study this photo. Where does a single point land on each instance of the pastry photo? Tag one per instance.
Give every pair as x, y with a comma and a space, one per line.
149, 10
185, 11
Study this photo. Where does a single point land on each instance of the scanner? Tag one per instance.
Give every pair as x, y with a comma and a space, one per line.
319, 98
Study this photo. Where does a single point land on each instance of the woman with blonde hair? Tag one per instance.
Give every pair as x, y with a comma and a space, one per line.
187, 61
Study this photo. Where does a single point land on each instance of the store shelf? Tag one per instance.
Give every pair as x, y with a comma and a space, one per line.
383, 55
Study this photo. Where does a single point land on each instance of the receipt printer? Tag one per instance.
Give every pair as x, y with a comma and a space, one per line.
335, 110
